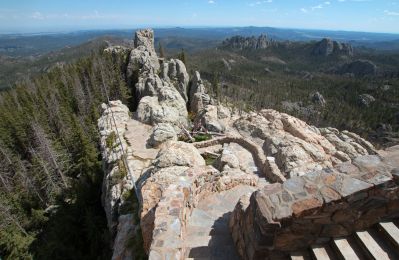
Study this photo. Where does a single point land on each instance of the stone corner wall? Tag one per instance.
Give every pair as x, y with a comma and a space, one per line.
318, 206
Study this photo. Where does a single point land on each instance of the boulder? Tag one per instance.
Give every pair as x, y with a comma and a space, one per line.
365, 100
210, 119
162, 133
318, 99
178, 154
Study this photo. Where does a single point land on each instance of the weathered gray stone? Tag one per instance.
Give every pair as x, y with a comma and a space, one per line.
178, 153
162, 133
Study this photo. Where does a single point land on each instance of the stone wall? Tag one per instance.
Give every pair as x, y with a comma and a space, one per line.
266, 165
175, 203
318, 206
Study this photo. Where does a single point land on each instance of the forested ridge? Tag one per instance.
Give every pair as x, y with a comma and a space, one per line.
50, 164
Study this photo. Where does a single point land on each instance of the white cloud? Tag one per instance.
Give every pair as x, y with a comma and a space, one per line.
260, 2
316, 7
211, 2
327, 3
303, 10
37, 16
390, 13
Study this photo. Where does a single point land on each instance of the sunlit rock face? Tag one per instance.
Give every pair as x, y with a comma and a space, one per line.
259, 167
327, 47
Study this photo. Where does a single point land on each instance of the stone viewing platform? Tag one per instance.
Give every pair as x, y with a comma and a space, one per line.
266, 185
318, 206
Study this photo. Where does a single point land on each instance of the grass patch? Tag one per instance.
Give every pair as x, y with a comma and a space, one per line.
209, 159
202, 137
110, 140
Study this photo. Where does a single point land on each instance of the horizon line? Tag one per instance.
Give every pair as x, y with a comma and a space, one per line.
120, 28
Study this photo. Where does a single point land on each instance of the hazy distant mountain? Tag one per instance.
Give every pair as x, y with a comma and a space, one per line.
36, 44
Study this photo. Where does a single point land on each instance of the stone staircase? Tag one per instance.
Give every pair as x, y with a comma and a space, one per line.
379, 242
207, 233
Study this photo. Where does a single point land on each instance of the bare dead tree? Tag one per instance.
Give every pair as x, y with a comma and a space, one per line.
48, 153
7, 218
29, 181
50, 183
5, 174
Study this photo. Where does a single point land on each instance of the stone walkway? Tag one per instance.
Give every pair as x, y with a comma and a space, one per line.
139, 154
207, 234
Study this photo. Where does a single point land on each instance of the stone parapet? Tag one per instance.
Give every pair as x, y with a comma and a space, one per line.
176, 203
318, 206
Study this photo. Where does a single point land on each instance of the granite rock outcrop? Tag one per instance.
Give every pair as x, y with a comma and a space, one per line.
327, 47
264, 162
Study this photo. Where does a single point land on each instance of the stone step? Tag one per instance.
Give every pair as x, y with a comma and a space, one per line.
344, 249
370, 247
300, 255
391, 232
320, 253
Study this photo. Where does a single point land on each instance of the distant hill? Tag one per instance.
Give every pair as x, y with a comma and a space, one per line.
22, 45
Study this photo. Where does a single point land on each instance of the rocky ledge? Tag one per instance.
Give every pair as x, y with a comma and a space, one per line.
185, 191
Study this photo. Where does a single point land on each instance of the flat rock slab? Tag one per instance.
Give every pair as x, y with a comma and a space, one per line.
137, 135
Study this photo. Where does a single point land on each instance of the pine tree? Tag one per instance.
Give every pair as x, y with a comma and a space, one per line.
161, 51
182, 56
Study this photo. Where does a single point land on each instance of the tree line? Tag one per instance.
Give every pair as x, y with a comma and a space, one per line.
50, 164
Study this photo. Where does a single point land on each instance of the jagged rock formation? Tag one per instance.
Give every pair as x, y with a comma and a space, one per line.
318, 99
198, 96
174, 71
159, 99
143, 58
358, 68
327, 47
161, 102
182, 194
252, 43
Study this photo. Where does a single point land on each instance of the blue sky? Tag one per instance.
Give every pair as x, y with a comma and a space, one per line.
58, 15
